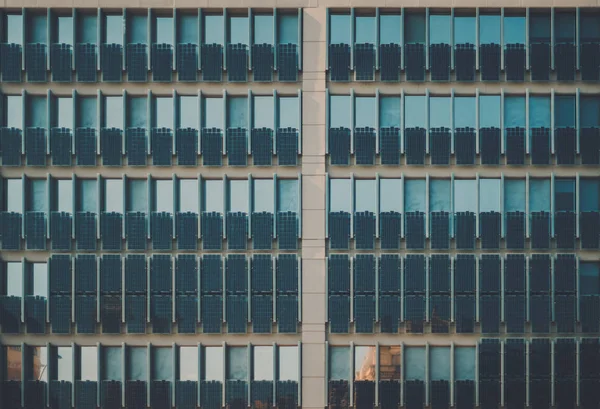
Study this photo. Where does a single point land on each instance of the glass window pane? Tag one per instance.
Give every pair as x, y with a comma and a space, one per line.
440, 112
539, 111
40, 364
288, 363
40, 279
390, 29
188, 112
539, 195
213, 29
589, 111
564, 111
489, 29
14, 202
65, 112
439, 29
287, 195
188, 364
213, 196
263, 29
164, 30
162, 364
464, 30
14, 279
414, 195
213, 363
514, 30
465, 111
264, 195
137, 197
415, 111
88, 196
287, 30
14, 29
340, 195
440, 363
339, 363
589, 278
489, 111
238, 30
366, 195
389, 112
489, 195
415, 28
137, 112
365, 359
114, 29
263, 363
213, 112
65, 30
112, 358
38, 195
414, 363
564, 195
237, 363
89, 364
137, 363
65, 364
187, 28
264, 112
288, 112
514, 195
38, 27
339, 30
365, 30
390, 199
464, 367
465, 195
514, 111
237, 112
164, 112
589, 191
365, 112
339, 111
390, 363
439, 195
164, 196
188, 195
564, 23
87, 112
137, 30
113, 112
36, 111
589, 27
65, 195
14, 361
14, 111
238, 196
113, 195
539, 28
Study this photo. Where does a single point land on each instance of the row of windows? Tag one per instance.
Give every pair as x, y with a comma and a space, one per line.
513, 372
499, 44
37, 376
490, 209
151, 209
439, 294
83, 127
237, 291
161, 41
456, 129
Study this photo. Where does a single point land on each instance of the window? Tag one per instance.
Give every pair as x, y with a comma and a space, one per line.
564, 196
14, 29
213, 112
440, 371
339, 29
489, 195
365, 31
87, 28
14, 202
65, 195
464, 30
390, 29
64, 357
188, 364
389, 111
414, 31
237, 363
65, 30
213, 29
340, 195
287, 195
137, 195
564, 111
514, 111
113, 199
213, 363
365, 194
439, 195
164, 30
14, 279
390, 199
439, 29
213, 196
113, 112
489, 111
514, 29
288, 365
38, 196
264, 112
39, 277
89, 364
263, 29
489, 29
365, 112
288, 112
589, 199
163, 195
137, 111
414, 195
187, 28
465, 196
36, 112
539, 195
238, 30
39, 360
414, 363
514, 195
188, 195
188, 112
162, 364
464, 358
339, 363
14, 111
237, 112
340, 107
415, 111
589, 111
390, 363
65, 112
364, 363
465, 111
137, 367
87, 195
37, 28
287, 29
263, 363
137, 30
86, 112
238, 196
440, 112
589, 278
113, 29
564, 27
263, 195
163, 110
112, 358
539, 111
539, 28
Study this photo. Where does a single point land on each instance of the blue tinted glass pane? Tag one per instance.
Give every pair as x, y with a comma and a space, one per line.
263, 195
514, 195
164, 112
287, 32
590, 195
489, 111
440, 112
238, 30
339, 111
112, 358
464, 30
366, 195
339, 363
237, 363
14, 111
539, 195
137, 32
88, 195
36, 111
264, 112
137, 197
489, 29
590, 27
188, 364
415, 28
113, 195
539, 27
390, 29
65, 30
162, 364
37, 30
188, 195
113, 111
539, 111
238, 196
114, 29
415, 111
164, 30
213, 196
137, 111
389, 111
441, 370
14, 29
339, 30
365, 112
489, 195
40, 279
289, 112
366, 31
187, 29
439, 29
163, 196
213, 112
263, 29
39, 197
514, 30
465, 195
237, 112
514, 111
340, 195
87, 28
137, 363
390, 198
464, 363
465, 111
414, 195
213, 29
213, 364
14, 279
439, 195
188, 112
588, 278
287, 195
589, 112
414, 363
565, 27
14, 202
564, 111
87, 112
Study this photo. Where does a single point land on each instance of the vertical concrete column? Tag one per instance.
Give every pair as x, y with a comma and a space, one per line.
314, 274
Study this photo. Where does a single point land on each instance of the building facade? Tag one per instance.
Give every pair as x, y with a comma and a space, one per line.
300, 203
